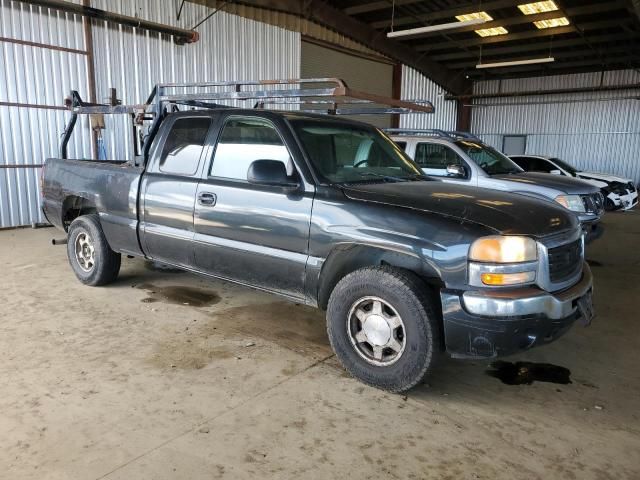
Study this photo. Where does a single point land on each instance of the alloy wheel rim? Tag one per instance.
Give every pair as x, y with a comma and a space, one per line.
376, 331
85, 251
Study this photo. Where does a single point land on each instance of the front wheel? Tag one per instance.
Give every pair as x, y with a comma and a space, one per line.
381, 327
90, 256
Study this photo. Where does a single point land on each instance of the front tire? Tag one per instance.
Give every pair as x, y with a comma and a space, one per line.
382, 328
90, 256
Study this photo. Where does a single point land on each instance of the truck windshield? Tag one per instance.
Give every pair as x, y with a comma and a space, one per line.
487, 158
565, 166
343, 153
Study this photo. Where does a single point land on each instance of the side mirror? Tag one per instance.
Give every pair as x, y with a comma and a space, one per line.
555, 172
272, 173
456, 171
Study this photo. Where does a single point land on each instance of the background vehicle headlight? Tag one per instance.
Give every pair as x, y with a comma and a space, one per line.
503, 249
572, 202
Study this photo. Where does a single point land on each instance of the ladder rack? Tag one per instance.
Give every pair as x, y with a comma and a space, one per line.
329, 96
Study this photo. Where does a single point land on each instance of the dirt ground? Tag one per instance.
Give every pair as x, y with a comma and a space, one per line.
166, 375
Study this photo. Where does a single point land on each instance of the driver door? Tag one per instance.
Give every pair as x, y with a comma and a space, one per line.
256, 235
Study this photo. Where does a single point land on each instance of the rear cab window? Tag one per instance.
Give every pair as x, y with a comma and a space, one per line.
183, 146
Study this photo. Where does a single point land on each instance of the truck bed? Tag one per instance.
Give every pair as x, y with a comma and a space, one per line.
106, 187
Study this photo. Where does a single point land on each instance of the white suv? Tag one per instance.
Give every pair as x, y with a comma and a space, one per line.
459, 157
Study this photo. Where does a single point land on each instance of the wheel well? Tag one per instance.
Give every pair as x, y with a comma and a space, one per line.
75, 206
347, 258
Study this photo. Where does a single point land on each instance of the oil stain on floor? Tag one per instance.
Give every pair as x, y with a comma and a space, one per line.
226, 333
525, 373
293, 326
179, 295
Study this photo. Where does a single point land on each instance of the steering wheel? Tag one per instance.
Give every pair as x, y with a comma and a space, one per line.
361, 162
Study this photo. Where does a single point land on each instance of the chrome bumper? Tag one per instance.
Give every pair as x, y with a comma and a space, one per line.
528, 301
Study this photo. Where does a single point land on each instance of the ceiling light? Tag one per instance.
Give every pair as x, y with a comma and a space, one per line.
554, 22
474, 16
435, 28
538, 7
516, 62
490, 32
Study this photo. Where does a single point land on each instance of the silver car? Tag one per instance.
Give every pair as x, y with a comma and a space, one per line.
463, 158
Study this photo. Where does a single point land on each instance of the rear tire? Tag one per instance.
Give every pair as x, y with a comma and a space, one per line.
90, 256
382, 327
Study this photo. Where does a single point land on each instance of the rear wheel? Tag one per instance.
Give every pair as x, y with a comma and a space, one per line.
90, 256
381, 327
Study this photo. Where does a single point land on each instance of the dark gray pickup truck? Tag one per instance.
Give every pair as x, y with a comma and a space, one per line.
331, 213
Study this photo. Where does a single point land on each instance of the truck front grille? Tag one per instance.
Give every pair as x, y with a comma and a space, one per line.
565, 261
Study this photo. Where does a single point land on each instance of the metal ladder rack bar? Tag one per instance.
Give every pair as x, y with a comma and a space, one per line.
308, 93
434, 132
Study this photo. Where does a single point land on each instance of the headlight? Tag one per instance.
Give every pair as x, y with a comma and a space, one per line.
572, 202
503, 249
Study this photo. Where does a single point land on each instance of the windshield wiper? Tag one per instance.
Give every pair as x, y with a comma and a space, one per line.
385, 177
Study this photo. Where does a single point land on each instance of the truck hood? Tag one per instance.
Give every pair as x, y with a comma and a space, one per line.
505, 213
566, 185
603, 177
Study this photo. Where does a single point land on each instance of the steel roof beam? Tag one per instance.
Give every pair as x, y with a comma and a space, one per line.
532, 47
546, 32
180, 35
571, 54
497, 5
443, 13
553, 69
321, 12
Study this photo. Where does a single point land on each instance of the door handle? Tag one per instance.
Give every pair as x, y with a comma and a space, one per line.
207, 198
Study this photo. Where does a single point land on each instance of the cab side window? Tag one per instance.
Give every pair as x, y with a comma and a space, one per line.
540, 165
183, 147
523, 162
434, 158
544, 166
244, 140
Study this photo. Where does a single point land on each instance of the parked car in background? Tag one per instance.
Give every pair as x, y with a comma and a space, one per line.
619, 193
458, 157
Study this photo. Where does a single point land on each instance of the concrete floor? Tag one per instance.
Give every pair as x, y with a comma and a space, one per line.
121, 383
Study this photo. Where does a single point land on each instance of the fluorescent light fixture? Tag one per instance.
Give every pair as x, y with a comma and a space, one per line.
516, 62
435, 28
492, 32
538, 7
474, 16
551, 23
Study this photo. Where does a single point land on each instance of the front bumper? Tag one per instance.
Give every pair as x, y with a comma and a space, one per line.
623, 202
497, 323
592, 230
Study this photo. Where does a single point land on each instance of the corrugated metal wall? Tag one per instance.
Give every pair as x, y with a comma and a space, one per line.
415, 86
291, 22
132, 61
230, 48
594, 131
39, 76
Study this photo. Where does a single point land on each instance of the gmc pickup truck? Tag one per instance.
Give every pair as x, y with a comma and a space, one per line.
330, 212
